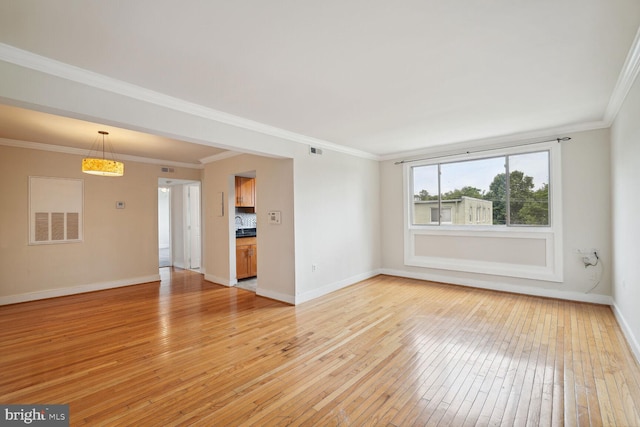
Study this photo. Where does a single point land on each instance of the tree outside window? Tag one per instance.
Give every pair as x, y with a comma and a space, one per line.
481, 185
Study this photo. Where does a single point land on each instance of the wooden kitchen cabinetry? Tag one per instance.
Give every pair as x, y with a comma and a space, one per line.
245, 192
246, 257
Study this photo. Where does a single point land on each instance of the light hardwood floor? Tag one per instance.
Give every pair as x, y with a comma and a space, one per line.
384, 352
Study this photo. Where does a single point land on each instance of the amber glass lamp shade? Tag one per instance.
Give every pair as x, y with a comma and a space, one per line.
102, 166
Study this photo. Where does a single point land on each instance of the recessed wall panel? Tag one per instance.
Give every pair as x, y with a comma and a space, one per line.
504, 250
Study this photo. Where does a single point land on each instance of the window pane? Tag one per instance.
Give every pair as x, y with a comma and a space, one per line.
445, 217
425, 194
474, 192
472, 186
529, 189
435, 213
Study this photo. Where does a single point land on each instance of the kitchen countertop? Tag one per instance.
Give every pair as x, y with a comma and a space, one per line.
245, 232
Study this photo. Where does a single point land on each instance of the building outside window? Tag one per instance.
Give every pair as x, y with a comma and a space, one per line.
480, 185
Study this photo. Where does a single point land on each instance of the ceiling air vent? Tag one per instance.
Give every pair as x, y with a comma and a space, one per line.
316, 151
167, 169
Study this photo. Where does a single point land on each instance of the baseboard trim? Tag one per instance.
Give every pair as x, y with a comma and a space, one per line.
278, 296
503, 287
219, 280
332, 287
91, 287
627, 331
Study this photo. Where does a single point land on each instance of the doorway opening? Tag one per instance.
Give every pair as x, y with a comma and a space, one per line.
246, 231
179, 224
164, 226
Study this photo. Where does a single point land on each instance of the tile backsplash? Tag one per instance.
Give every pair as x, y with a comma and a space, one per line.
245, 220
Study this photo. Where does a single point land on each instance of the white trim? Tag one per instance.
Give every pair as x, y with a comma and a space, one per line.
81, 152
52, 67
91, 287
332, 287
220, 156
502, 287
627, 76
627, 331
278, 296
219, 280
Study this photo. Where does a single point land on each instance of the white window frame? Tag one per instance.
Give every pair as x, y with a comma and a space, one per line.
551, 234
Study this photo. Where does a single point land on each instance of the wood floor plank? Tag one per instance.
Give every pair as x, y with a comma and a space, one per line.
481, 357
483, 406
503, 411
387, 351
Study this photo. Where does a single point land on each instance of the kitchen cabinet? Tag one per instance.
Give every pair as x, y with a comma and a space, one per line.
245, 192
246, 257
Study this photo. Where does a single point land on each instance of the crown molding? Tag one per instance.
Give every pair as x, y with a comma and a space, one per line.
220, 156
52, 67
80, 152
498, 141
627, 76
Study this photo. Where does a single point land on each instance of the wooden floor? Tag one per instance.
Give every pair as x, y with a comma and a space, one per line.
385, 352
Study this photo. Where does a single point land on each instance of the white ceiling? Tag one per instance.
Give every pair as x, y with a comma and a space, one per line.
378, 76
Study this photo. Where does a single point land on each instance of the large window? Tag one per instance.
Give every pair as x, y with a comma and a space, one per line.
493, 213
477, 192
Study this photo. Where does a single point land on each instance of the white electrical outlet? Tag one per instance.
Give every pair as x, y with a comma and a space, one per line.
314, 267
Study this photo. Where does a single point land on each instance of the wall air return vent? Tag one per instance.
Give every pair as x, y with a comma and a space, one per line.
166, 169
315, 151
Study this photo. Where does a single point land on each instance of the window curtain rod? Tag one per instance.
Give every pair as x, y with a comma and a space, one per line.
565, 138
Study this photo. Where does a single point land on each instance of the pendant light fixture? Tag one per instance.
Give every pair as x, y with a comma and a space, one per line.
101, 165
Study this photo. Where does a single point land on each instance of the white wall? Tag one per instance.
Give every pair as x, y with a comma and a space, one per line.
275, 247
330, 208
625, 161
586, 219
337, 204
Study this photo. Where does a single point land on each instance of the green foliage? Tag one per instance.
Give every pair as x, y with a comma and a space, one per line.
535, 210
464, 191
497, 194
424, 195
